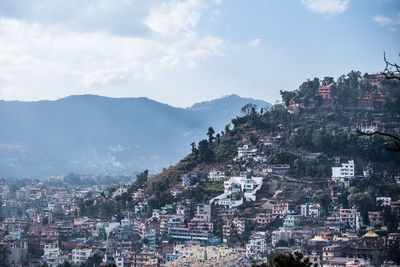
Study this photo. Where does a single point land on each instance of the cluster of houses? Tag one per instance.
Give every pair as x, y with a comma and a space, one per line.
42, 224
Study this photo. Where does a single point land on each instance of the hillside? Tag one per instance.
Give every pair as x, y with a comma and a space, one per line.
290, 136
95, 135
292, 150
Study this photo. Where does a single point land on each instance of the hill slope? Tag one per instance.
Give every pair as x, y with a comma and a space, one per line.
94, 134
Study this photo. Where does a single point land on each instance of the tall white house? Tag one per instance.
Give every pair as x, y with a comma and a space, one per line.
239, 189
81, 255
344, 171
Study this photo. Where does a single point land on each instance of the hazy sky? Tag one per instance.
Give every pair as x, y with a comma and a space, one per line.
181, 52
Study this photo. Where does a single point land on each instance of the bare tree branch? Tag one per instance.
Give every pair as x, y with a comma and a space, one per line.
396, 139
392, 70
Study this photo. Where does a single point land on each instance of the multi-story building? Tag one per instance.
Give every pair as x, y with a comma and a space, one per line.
203, 212
186, 234
280, 208
257, 245
345, 171
196, 255
245, 152
331, 251
310, 210
190, 179
233, 229
291, 218
393, 241
278, 169
216, 176
351, 217
239, 189
81, 255
281, 234
375, 217
383, 201
265, 218
53, 257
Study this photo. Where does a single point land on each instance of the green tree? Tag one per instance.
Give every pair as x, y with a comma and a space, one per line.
210, 134
363, 202
218, 136
248, 108
195, 151
65, 264
285, 260
205, 153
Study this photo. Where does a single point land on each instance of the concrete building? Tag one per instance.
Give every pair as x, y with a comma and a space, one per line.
245, 152
233, 229
237, 190
346, 170
350, 217
280, 208
291, 218
190, 179
375, 217
311, 210
383, 201
257, 245
216, 176
265, 218
80, 255
53, 257
281, 234
197, 255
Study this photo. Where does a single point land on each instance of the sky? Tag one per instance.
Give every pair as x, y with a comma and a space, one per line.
181, 52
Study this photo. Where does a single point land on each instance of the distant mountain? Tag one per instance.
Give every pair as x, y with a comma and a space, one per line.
93, 134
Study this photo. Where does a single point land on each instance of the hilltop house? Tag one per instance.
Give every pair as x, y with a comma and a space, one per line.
237, 190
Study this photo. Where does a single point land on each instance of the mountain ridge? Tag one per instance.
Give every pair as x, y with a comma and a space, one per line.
95, 134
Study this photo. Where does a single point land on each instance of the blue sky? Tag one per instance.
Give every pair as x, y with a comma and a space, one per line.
185, 51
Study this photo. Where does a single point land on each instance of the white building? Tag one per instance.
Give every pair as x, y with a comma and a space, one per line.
119, 260
81, 255
351, 217
121, 190
345, 171
237, 190
126, 222
281, 234
233, 229
383, 201
52, 256
203, 212
257, 245
310, 210
245, 152
216, 176
290, 219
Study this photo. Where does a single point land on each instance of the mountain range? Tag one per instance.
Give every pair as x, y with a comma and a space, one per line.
92, 134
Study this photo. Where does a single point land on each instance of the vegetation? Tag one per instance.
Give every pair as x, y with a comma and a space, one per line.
328, 132
284, 260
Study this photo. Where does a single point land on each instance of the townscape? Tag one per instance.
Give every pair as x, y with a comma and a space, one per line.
303, 176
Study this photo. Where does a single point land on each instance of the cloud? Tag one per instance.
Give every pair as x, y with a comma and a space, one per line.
45, 57
391, 23
122, 17
255, 42
214, 15
327, 8
382, 20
